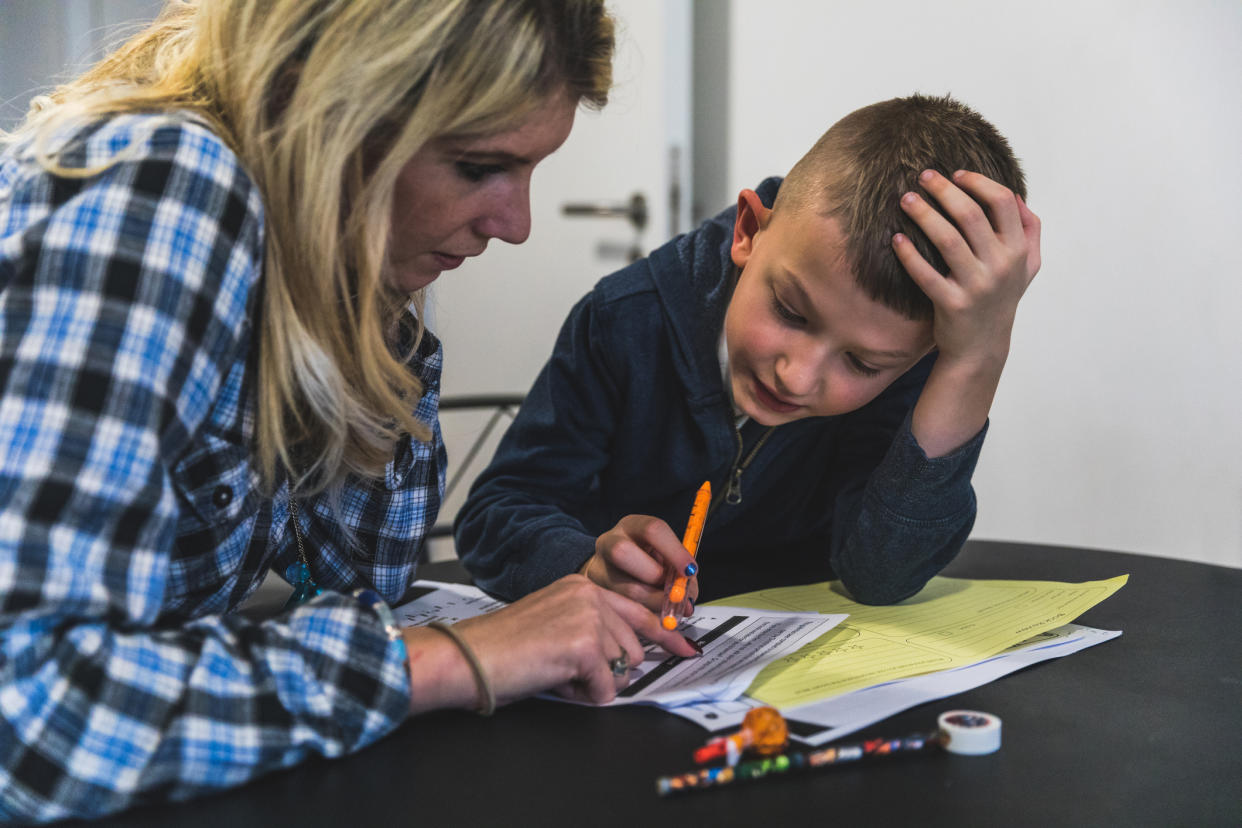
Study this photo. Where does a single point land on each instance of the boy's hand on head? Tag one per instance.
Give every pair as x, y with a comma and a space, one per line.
633, 559
991, 247
992, 250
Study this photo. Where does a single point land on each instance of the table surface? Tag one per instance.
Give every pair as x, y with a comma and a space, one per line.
1145, 729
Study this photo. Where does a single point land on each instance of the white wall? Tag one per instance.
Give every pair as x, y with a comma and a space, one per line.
1117, 422
43, 42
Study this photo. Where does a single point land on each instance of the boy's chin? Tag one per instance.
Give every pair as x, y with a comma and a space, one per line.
773, 420
764, 417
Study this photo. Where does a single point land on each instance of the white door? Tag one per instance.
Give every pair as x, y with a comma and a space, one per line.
498, 315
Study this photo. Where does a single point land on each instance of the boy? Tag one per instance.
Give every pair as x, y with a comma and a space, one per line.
826, 355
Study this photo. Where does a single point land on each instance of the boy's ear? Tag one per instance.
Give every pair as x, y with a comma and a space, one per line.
752, 217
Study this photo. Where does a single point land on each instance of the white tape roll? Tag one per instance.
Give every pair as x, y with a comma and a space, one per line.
969, 732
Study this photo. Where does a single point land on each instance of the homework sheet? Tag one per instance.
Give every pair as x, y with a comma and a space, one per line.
737, 644
822, 721
950, 623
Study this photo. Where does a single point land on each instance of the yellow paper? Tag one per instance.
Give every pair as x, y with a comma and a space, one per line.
952, 622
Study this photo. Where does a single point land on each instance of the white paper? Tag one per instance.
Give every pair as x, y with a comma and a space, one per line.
445, 602
828, 719
737, 644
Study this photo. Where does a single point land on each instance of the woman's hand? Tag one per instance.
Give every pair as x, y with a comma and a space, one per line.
561, 638
633, 559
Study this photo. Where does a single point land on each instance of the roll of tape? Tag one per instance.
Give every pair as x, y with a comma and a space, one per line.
969, 732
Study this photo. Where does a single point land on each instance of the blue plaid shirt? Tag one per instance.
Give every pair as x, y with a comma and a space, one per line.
131, 524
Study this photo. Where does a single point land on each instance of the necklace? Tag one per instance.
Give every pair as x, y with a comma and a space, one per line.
299, 573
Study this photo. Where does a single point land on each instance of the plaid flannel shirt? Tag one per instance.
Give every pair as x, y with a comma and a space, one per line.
130, 520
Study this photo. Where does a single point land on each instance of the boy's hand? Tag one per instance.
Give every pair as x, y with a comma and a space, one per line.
633, 559
992, 254
992, 250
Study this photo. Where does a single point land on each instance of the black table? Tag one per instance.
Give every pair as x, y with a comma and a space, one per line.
1145, 729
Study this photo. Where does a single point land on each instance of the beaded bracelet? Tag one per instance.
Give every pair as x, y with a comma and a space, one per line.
488, 696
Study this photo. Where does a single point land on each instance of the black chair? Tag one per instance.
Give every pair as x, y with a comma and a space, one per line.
501, 406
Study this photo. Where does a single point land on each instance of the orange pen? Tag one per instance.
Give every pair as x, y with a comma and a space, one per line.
675, 585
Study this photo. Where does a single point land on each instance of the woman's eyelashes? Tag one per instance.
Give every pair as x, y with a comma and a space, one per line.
477, 171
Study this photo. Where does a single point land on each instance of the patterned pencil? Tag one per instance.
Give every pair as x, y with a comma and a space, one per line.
794, 762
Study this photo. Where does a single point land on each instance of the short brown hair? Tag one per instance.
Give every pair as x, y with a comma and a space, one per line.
859, 169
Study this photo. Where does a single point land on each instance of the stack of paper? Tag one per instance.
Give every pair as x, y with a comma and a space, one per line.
833, 666
953, 635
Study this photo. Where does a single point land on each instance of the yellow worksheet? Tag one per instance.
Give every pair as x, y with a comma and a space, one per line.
952, 622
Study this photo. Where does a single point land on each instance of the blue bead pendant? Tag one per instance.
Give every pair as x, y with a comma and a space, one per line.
304, 586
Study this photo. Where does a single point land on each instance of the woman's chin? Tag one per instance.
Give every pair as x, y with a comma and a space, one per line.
409, 280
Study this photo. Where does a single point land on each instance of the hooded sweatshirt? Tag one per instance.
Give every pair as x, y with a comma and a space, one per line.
631, 414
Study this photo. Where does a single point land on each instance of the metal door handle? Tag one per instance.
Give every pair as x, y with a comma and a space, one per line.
635, 211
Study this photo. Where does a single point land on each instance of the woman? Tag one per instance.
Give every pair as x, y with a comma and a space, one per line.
213, 247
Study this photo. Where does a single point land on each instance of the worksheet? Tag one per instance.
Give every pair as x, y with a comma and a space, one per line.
823, 721
737, 644
950, 623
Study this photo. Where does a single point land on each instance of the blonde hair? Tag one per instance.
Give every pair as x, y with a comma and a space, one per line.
324, 101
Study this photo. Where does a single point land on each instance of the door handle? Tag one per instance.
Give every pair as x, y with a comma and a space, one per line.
635, 210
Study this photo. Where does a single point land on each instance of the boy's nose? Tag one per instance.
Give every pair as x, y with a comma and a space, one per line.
798, 376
